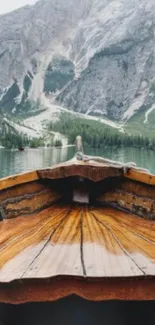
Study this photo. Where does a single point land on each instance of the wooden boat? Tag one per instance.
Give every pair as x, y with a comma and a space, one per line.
85, 227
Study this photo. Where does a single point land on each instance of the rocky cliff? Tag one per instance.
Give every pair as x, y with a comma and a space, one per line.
95, 57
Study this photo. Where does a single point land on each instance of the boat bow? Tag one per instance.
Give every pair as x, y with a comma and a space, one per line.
86, 227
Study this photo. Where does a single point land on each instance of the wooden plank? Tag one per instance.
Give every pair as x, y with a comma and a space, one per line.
93, 171
21, 190
44, 290
134, 203
18, 179
24, 240
139, 248
140, 176
89, 169
137, 188
27, 199
30, 204
142, 227
103, 254
72, 240
62, 254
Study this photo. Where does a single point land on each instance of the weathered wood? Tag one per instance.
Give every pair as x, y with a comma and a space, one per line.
76, 241
27, 199
18, 179
93, 171
134, 203
45, 235
137, 188
137, 198
140, 176
43, 290
96, 171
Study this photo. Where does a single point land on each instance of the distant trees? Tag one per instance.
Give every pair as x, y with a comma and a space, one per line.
36, 143
14, 140
94, 134
58, 143
97, 135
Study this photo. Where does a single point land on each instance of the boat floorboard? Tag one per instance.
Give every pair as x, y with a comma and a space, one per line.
76, 240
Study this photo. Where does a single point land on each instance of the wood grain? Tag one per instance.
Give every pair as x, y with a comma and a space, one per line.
43, 290
135, 204
95, 171
26, 199
50, 248
91, 171
18, 180
137, 198
140, 176
75, 240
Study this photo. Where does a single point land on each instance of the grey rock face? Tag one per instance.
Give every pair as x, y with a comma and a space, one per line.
96, 56
58, 74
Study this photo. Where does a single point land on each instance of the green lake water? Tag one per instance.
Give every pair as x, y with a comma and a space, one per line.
14, 162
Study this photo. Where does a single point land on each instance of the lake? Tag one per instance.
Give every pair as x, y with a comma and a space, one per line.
14, 162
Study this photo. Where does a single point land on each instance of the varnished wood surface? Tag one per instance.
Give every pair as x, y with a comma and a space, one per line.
140, 176
49, 249
26, 199
76, 241
95, 171
137, 198
92, 170
43, 290
18, 180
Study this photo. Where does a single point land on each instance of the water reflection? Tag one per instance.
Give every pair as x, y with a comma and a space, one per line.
143, 158
13, 161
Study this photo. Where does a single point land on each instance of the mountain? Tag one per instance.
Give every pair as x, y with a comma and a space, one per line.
95, 57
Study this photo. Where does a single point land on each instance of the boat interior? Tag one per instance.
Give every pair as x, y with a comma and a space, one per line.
77, 226
84, 242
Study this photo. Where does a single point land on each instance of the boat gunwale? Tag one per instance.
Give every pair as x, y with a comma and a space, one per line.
58, 171
22, 291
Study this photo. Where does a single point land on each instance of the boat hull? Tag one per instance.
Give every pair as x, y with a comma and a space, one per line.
101, 248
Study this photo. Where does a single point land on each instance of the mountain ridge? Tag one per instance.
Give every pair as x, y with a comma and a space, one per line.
91, 57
